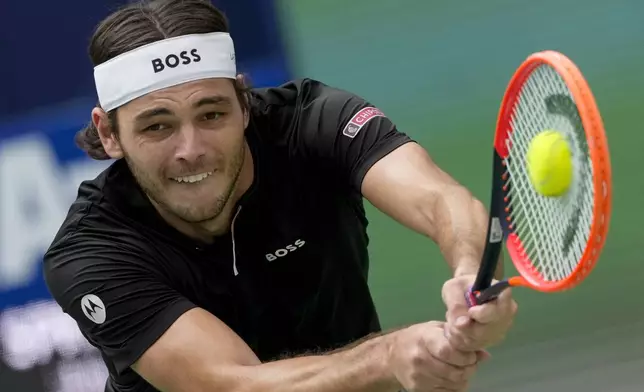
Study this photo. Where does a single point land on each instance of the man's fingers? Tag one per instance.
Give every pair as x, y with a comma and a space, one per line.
490, 312
462, 321
453, 294
457, 375
454, 290
465, 337
444, 351
483, 355
451, 378
454, 299
458, 317
472, 336
484, 314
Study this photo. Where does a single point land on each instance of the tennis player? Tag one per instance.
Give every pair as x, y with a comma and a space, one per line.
225, 248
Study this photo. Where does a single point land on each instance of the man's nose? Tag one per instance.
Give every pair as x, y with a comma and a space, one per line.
191, 146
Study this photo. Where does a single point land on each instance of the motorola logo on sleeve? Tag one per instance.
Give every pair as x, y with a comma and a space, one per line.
93, 308
174, 60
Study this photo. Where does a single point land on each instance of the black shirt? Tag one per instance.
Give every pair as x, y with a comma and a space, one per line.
289, 277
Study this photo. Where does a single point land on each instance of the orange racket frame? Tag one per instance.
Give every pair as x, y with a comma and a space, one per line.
590, 117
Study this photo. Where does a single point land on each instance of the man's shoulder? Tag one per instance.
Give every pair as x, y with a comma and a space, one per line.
301, 106
296, 93
94, 241
94, 215
285, 92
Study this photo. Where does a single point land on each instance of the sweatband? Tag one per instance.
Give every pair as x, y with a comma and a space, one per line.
163, 64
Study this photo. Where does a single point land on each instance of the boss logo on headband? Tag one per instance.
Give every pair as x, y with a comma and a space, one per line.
173, 60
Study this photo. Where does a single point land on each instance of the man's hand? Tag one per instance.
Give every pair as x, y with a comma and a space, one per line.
478, 327
422, 359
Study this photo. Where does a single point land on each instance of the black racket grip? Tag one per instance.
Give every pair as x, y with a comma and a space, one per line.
474, 298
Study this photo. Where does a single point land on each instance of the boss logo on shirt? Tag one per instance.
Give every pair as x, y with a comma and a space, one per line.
359, 120
174, 60
285, 250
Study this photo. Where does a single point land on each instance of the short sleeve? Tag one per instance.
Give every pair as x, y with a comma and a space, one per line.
343, 130
121, 305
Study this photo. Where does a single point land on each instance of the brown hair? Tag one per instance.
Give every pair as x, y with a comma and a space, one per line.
141, 23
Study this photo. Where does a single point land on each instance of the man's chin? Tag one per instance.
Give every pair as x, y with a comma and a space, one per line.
197, 212
196, 217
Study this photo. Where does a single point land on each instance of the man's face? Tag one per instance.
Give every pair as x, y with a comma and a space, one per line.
185, 146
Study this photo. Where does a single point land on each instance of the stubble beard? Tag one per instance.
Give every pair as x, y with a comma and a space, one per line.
155, 191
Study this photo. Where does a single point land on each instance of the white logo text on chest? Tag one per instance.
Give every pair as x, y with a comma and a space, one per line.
281, 252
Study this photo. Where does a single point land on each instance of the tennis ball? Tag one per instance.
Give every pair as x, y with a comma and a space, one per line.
549, 162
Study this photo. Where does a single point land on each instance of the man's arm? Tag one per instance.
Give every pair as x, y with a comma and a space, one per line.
146, 325
362, 153
361, 149
200, 353
408, 186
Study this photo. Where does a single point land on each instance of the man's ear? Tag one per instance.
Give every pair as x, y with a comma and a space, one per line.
246, 118
240, 82
106, 133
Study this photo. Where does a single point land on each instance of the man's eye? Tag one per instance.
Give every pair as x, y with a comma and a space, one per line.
155, 127
212, 115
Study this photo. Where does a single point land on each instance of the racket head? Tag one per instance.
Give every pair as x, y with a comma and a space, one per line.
554, 243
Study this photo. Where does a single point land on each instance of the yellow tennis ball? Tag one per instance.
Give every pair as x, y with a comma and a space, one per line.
550, 164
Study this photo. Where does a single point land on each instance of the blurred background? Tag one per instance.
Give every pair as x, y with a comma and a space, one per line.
438, 69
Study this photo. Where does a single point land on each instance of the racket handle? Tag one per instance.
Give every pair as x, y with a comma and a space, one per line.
473, 297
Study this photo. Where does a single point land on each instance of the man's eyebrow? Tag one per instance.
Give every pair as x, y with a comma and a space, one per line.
213, 100
149, 113
159, 111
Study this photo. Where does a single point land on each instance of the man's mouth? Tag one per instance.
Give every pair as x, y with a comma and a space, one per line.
192, 179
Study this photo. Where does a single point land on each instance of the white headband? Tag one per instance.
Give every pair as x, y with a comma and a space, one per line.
164, 64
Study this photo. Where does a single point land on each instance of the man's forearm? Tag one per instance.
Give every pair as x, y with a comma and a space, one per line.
459, 226
361, 368
409, 187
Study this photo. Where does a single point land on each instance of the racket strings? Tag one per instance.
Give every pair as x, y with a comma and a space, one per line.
543, 211
553, 231
547, 252
534, 211
549, 264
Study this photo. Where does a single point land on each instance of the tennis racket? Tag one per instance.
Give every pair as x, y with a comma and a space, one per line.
554, 242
